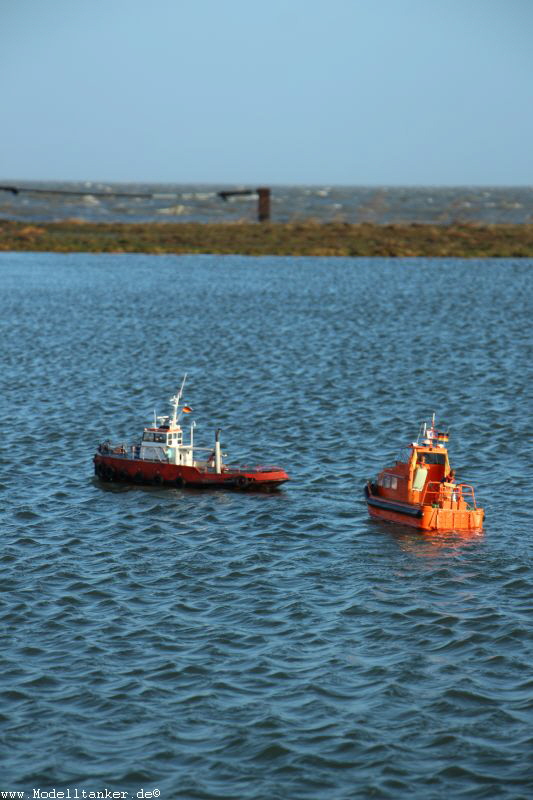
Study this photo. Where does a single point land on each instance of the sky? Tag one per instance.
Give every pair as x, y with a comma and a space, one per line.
268, 92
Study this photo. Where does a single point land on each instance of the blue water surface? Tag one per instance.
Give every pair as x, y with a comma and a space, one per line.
217, 645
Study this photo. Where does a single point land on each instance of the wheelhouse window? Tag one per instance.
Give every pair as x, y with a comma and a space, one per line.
155, 437
433, 458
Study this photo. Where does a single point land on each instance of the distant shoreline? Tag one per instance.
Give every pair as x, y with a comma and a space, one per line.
284, 239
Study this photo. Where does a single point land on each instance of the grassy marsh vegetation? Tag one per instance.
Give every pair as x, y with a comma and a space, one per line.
307, 238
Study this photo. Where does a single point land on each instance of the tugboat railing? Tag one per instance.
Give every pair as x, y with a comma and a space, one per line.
117, 451
435, 492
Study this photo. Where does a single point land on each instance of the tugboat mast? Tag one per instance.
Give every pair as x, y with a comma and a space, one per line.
176, 401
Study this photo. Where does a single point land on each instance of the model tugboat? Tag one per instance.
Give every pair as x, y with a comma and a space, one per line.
161, 457
421, 490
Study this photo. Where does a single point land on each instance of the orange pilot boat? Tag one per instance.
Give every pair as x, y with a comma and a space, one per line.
420, 489
161, 457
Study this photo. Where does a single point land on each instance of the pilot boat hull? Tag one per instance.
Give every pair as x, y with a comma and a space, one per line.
139, 471
424, 517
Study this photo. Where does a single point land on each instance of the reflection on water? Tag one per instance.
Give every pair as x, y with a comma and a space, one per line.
430, 544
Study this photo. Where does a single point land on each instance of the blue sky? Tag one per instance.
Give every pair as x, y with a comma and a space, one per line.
353, 92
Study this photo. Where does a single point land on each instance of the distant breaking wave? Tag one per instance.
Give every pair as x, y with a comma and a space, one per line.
114, 202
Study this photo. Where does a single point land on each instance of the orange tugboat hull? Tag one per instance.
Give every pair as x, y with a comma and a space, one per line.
140, 471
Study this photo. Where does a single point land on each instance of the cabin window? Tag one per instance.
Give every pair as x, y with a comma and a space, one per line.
148, 437
434, 458
389, 482
160, 437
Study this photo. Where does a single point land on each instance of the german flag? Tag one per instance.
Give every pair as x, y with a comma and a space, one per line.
443, 437
186, 409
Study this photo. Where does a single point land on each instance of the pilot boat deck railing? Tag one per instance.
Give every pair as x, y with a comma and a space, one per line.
435, 492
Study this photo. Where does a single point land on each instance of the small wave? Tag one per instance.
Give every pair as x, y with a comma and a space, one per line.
174, 211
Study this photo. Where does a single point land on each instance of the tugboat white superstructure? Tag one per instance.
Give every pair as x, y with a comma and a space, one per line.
162, 457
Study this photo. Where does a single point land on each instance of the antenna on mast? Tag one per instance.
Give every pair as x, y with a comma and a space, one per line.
176, 401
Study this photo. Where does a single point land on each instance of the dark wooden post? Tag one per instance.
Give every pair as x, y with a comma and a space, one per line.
263, 204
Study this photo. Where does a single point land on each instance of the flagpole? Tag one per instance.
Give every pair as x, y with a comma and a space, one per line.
176, 401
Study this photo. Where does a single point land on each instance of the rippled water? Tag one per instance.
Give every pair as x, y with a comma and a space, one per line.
233, 645
148, 202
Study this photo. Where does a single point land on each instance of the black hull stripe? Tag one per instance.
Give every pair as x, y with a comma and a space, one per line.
386, 505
